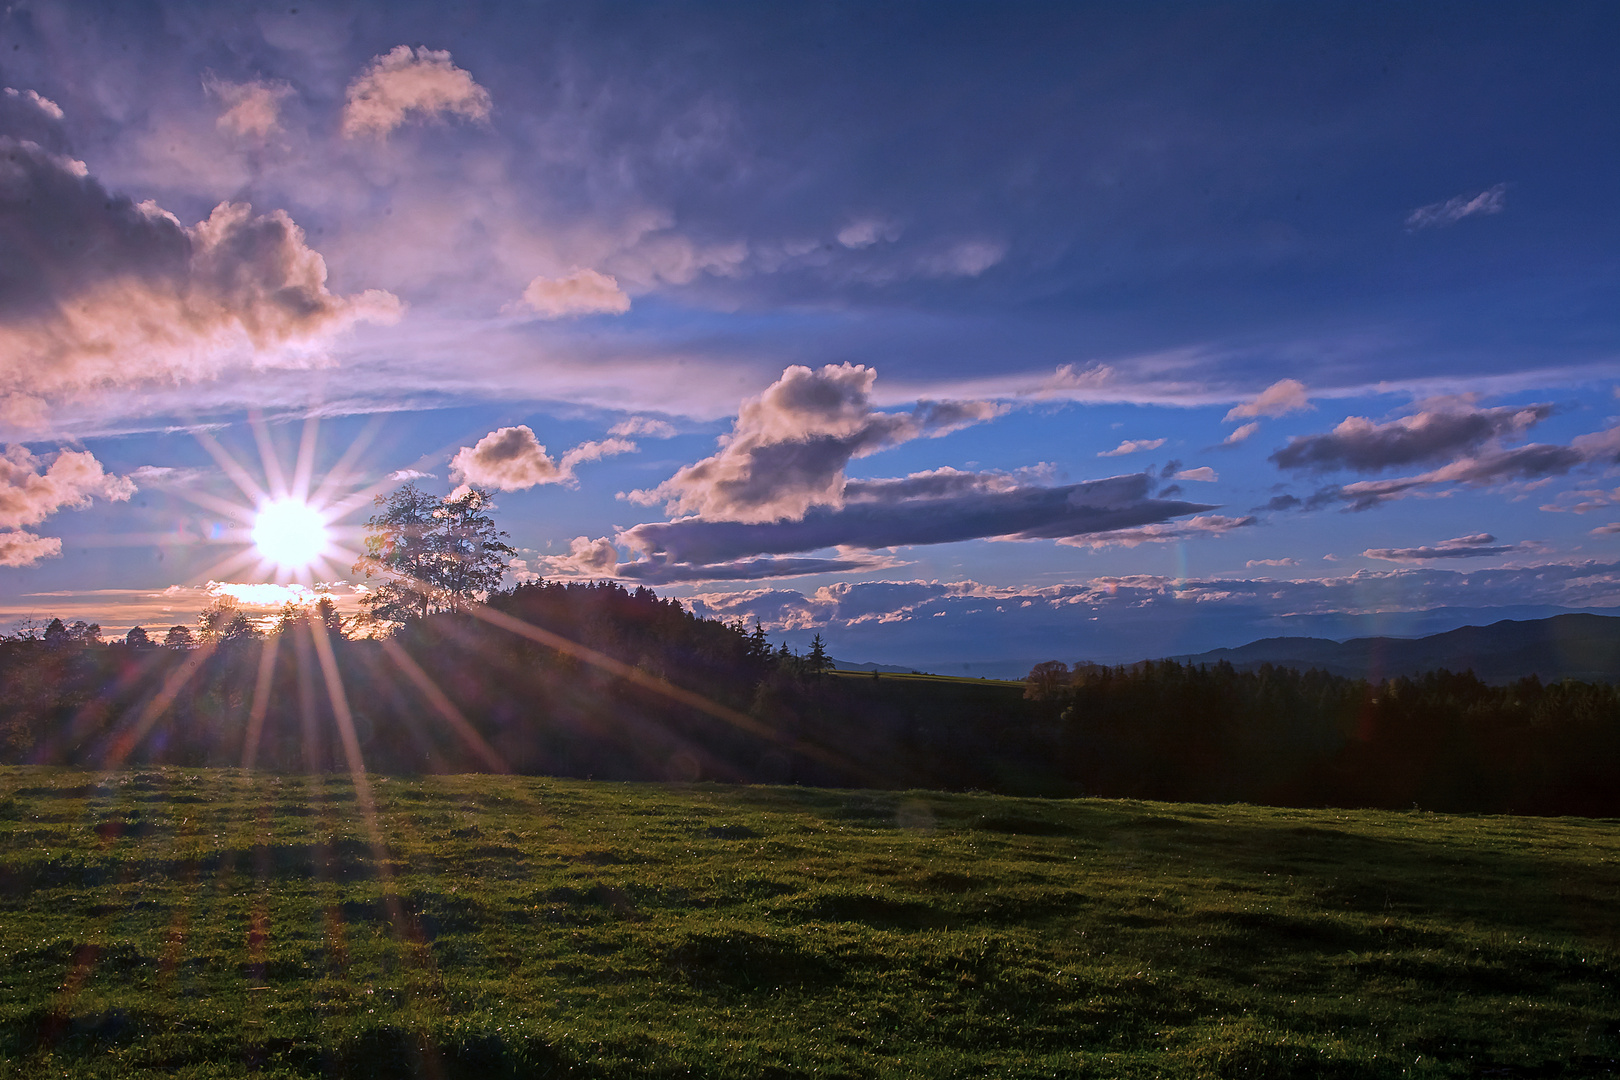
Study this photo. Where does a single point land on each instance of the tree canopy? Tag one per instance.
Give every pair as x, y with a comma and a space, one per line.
433, 554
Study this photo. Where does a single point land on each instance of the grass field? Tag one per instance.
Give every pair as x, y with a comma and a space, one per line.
213, 923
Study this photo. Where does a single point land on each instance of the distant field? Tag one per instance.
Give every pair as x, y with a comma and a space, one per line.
203, 923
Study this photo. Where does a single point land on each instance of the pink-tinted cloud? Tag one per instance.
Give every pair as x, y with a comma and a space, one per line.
29, 495
403, 83
252, 109
1132, 446
1241, 434
104, 293
513, 459
1279, 399
20, 548
584, 292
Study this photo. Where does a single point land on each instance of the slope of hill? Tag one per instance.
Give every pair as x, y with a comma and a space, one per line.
1584, 647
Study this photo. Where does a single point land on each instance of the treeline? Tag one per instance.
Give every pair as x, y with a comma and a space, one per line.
1442, 741
684, 698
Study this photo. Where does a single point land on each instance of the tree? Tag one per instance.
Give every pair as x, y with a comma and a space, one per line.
432, 554
178, 637
818, 660
137, 638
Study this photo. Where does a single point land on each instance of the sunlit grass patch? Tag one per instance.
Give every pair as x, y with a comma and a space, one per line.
203, 923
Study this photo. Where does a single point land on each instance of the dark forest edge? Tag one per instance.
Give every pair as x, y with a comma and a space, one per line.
1162, 730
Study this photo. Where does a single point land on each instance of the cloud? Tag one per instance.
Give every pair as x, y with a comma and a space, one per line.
410, 474
1133, 611
967, 259
1493, 200
865, 232
586, 558
1476, 546
1279, 399
1430, 435
252, 109
99, 292
1607, 530
1067, 380
788, 448
29, 496
1583, 501
1252, 563
908, 514
595, 451
1132, 446
642, 425
508, 459
1241, 434
512, 459
264, 594
402, 82
1203, 474
1201, 525
1281, 502
19, 548
1494, 465
584, 292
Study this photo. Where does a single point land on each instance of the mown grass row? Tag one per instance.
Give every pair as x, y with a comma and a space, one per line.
210, 923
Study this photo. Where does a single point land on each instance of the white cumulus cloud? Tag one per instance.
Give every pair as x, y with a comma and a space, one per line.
584, 292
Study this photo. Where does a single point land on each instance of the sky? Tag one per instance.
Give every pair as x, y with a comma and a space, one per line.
966, 335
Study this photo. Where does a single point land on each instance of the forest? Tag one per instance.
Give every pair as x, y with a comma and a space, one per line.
596, 681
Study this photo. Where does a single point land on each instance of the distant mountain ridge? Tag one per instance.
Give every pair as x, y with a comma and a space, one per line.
1583, 647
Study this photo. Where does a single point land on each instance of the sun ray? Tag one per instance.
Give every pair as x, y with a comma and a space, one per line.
268, 458
261, 700
124, 743
233, 469
305, 466
443, 706
338, 475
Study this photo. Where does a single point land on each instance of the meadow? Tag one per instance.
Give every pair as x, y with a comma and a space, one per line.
212, 922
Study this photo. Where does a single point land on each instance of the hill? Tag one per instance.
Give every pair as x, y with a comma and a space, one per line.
1582, 647
212, 923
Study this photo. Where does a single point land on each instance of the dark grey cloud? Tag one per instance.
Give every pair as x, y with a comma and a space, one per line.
1428, 436
1025, 513
1476, 546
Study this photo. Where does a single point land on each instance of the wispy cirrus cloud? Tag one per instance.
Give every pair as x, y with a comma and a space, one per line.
1493, 200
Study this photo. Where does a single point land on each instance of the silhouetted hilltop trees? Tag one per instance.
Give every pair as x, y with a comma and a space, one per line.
633, 686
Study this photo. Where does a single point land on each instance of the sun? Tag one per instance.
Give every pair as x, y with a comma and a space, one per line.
290, 533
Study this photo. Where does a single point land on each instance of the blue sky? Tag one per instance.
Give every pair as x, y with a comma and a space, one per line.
957, 333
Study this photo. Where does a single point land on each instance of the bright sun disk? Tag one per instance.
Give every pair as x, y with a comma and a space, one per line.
289, 532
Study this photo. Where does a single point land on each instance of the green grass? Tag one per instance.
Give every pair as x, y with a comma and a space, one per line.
209, 923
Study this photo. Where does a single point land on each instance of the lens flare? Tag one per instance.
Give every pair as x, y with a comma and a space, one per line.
290, 533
